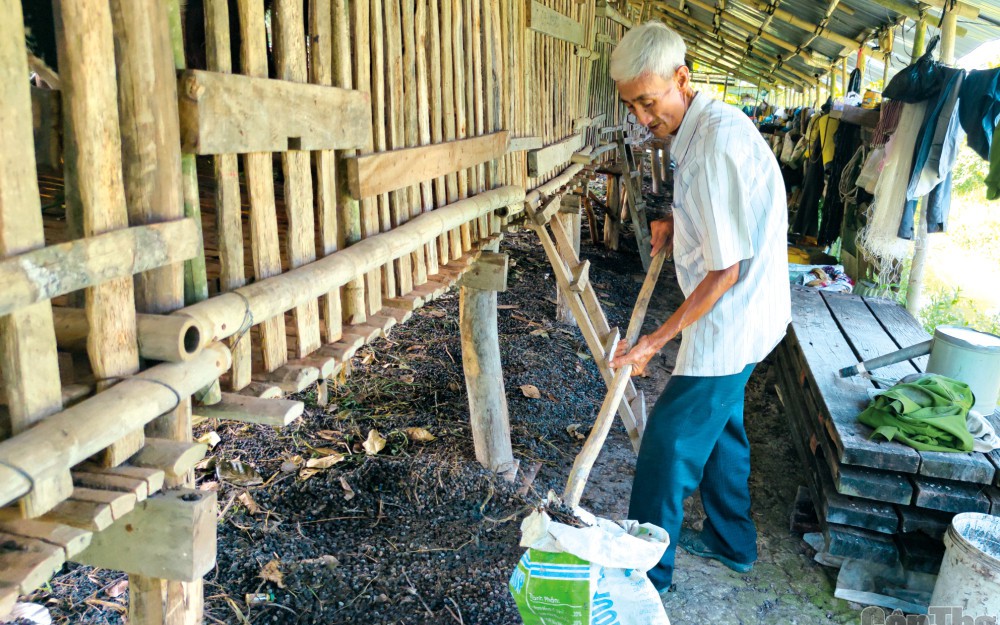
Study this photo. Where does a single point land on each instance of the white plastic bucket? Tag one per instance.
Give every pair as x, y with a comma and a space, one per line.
969, 356
970, 573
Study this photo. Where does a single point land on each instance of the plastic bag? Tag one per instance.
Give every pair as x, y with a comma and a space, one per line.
919, 81
871, 170
588, 575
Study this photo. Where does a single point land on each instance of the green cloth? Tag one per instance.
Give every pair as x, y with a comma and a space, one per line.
927, 414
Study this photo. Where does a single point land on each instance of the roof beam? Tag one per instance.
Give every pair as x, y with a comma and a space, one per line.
669, 11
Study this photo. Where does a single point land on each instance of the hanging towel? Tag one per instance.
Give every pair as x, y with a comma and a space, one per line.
927, 414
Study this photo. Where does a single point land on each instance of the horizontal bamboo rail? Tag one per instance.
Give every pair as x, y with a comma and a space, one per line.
67, 438
227, 314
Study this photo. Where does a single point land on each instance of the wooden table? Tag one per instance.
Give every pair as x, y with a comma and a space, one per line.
876, 500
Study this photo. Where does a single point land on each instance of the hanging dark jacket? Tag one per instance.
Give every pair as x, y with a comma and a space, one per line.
979, 108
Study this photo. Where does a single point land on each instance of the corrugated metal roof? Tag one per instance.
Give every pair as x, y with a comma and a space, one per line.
802, 55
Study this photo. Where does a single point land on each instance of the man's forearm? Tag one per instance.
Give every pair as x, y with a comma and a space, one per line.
695, 306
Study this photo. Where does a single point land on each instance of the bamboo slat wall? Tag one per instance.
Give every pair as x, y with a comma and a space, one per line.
316, 172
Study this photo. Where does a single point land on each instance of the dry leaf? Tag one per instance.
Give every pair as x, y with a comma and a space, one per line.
210, 438
419, 435
530, 390
248, 502
374, 444
272, 573
325, 462
574, 431
407, 379
454, 386
118, 588
305, 474
583, 355
508, 307
540, 332
434, 312
331, 435
348, 491
325, 451
211, 486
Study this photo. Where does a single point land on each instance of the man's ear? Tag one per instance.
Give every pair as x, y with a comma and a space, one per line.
683, 76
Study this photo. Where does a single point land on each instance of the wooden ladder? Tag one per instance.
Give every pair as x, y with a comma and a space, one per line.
632, 181
573, 278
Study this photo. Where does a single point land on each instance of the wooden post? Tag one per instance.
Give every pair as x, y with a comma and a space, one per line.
484, 378
921, 244
86, 55
27, 341
569, 215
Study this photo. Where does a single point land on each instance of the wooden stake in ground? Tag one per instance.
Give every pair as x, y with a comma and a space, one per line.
592, 446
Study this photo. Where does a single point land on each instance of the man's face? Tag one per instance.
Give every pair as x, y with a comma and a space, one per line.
657, 103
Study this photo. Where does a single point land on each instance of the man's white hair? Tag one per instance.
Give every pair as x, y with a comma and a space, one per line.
651, 48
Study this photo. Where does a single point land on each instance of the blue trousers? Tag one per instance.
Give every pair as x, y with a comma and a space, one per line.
695, 437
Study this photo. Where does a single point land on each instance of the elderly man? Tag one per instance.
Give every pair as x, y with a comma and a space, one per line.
727, 231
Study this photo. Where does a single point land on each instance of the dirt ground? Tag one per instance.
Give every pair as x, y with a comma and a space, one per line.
419, 533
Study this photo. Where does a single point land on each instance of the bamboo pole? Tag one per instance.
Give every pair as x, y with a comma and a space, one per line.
394, 75
437, 113
290, 61
257, 167
353, 294
228, 203
361, 26
424, 103
324, 164
67, 438
411, 131
602, 425
222, 316
166, 338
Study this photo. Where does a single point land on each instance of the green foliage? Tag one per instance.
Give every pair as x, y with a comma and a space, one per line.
948, 307
969, 172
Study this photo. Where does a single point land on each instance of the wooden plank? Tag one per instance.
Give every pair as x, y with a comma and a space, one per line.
900, 325
291, 377
523, 144
852, 542
71, 540
120, 503
41, 274
274, 412
233, 114
168, 536
30, 381
98, 479
372, 174
949, 496
290, 58
86, 515
28, 563
864, 333
607, 10
824, 349
552, 156
153, 477
174, 458
546, 21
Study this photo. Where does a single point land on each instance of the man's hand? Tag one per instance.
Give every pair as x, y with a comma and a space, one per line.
639, 356
661, 235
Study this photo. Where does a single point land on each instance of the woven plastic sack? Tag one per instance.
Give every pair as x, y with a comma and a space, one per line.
592, 575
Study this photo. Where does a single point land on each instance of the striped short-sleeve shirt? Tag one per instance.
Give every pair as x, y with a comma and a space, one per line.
729, 208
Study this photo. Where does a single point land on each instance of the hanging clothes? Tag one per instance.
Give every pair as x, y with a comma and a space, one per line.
888, 119
845, 145
934, 157
979, 108
807, 215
